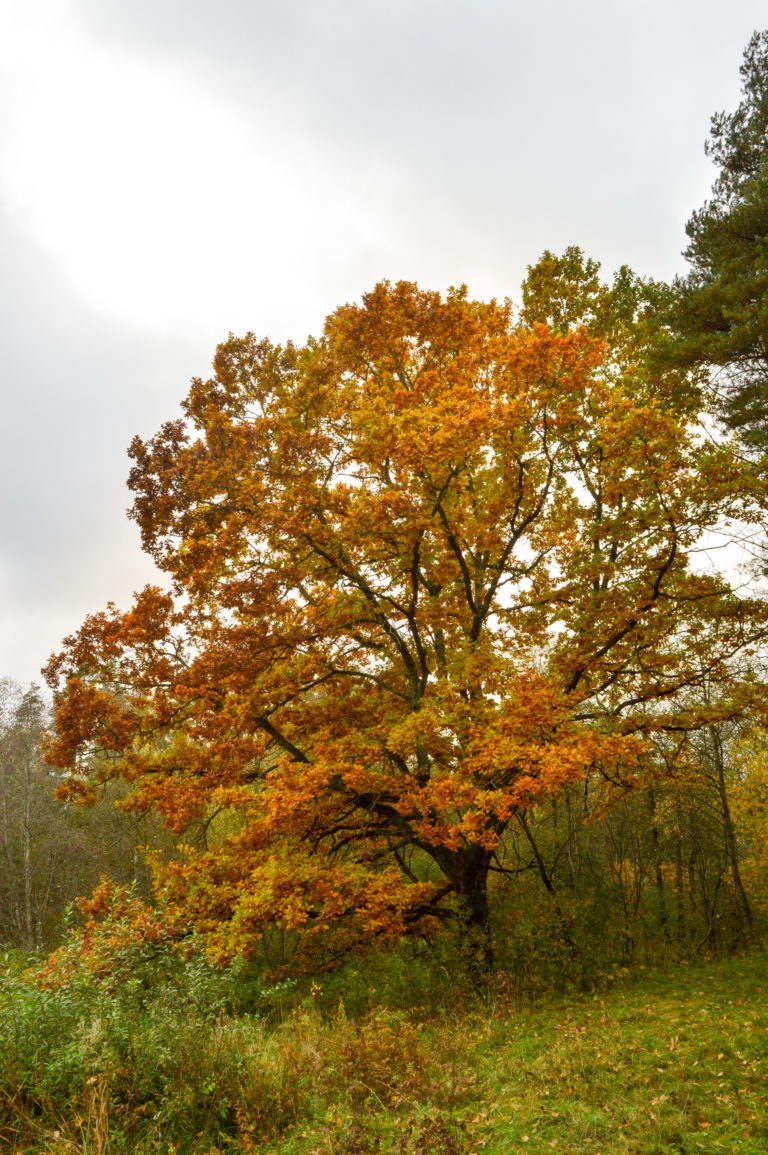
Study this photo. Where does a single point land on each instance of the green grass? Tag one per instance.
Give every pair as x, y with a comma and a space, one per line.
673, 1062
663, 1062
676, 1063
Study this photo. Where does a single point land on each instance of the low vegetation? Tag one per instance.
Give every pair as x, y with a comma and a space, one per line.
188, 1058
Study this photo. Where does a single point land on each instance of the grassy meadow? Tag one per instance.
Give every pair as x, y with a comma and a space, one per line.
393, 1057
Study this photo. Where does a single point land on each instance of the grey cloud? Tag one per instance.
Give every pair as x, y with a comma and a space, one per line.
74, 391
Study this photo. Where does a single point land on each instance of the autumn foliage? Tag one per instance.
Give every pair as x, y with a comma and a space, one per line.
425, 571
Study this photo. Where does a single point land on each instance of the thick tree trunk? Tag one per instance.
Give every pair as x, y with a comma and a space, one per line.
467, 870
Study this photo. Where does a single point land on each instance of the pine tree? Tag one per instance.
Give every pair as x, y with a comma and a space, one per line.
720, 318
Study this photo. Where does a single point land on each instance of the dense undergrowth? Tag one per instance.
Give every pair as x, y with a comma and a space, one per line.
396, 1054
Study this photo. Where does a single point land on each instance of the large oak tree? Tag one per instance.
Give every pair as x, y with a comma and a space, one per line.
426, 570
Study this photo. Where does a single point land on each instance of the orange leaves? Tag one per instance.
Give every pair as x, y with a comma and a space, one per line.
428, 569
84, 713
236, 900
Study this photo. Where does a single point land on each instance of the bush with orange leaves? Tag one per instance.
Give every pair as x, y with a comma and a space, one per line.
120, 930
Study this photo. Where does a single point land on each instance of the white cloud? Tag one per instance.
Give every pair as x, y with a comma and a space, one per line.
164, 204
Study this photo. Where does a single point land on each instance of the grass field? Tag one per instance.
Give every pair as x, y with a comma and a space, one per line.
671, 1062
664, 1062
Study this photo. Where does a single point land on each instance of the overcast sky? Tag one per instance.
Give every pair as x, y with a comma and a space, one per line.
171, 170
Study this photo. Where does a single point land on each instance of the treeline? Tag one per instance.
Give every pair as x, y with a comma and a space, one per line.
591, 879
52, 852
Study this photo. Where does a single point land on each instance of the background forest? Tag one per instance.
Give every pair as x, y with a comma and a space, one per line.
447, 704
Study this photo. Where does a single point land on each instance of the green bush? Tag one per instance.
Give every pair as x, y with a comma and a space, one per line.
176, 1054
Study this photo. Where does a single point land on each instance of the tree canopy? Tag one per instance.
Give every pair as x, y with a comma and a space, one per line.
426, 570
